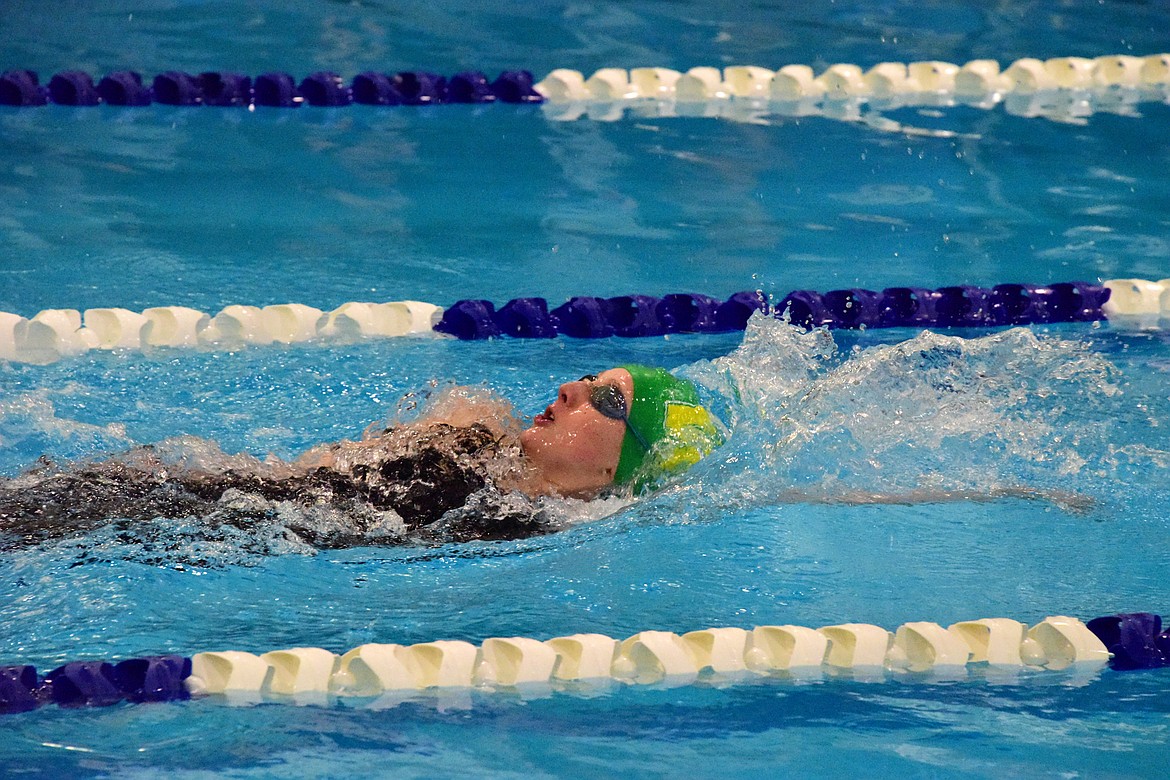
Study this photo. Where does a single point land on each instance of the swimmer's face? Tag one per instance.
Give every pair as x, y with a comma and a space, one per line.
572, 446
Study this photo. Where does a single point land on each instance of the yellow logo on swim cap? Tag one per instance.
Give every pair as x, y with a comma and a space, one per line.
690, 434
680, 415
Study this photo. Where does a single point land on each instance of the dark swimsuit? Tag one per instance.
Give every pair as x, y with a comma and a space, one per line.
438, 486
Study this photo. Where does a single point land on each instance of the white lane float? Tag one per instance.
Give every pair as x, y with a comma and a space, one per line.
661, 658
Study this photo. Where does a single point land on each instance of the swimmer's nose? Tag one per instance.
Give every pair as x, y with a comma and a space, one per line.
573, 394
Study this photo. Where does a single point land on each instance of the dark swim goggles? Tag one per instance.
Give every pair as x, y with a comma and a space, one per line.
609, 401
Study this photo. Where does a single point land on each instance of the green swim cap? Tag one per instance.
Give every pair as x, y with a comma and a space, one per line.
667, 413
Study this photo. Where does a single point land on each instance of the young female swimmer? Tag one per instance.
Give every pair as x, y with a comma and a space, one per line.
454, 475
465, 471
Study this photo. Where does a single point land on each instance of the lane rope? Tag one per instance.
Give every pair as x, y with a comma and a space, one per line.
1065, 88
53, 334
1001, 647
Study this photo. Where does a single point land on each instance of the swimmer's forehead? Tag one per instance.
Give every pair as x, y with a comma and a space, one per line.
615, 376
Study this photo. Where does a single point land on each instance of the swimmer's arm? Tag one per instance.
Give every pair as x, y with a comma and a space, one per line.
1076, 503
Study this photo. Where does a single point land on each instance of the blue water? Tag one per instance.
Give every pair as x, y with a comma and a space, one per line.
142, 207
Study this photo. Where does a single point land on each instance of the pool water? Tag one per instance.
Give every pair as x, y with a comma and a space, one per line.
205, 208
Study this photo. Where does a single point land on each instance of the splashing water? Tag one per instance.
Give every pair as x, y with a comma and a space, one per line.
932, 413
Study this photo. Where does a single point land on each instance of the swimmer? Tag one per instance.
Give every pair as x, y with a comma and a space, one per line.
629, 426
464, 471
